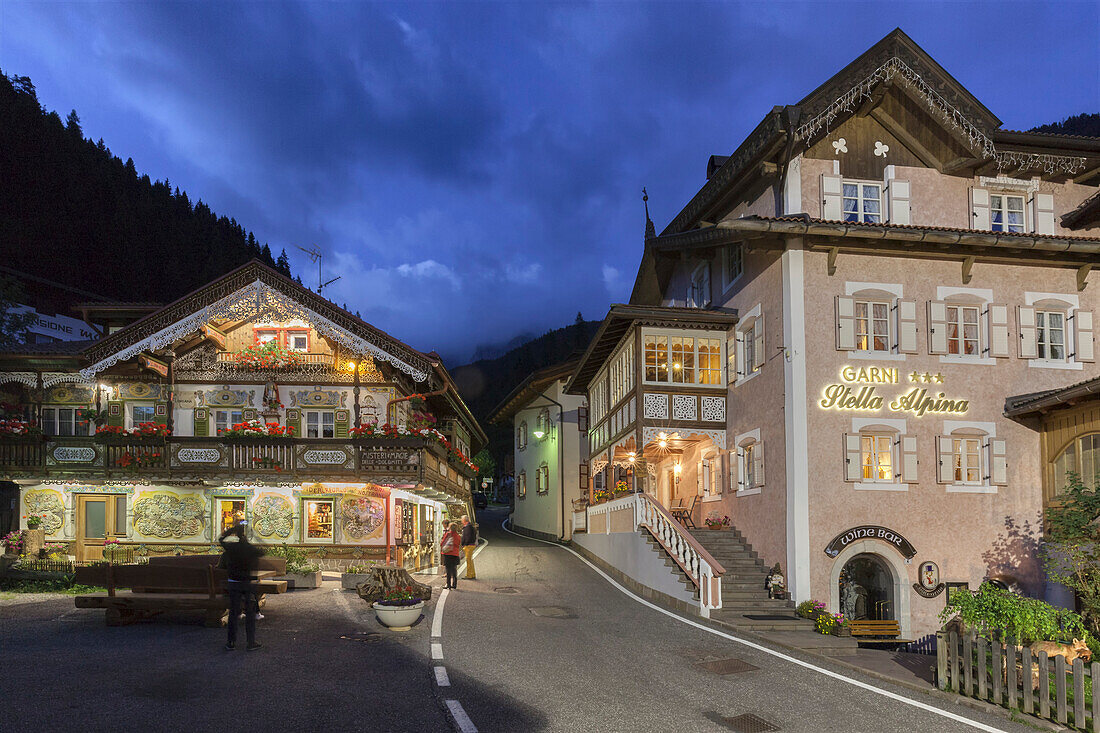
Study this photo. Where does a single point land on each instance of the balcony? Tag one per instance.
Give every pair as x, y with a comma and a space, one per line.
406, 461
228, 359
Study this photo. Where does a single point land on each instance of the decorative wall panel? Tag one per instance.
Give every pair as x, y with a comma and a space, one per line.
165, 514
684, 407
714, 409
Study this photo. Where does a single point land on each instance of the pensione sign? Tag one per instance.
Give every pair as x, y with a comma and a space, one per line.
870, 532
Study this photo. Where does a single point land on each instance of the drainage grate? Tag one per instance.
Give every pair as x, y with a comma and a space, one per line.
506, 589
726, 666
552, 612
749, 723
368, 636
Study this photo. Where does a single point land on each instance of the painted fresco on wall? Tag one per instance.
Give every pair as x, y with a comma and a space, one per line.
363, 516
273, 516
70, 394
227, 397
318, 398
141, 391
164, 514
50, 504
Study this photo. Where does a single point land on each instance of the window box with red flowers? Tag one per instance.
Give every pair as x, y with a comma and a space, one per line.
20, 431
268, 355
255, 430
143, 432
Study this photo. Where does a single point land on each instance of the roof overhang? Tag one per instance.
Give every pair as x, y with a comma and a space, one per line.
621, 318
530, 388
1037, 403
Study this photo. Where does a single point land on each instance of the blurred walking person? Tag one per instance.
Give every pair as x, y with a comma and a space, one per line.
450, 548
240, 558
469, 544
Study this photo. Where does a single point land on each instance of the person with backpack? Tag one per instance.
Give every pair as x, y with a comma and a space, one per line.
450, 546
469, 544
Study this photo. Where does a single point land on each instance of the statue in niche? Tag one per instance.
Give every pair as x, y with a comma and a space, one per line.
271, 401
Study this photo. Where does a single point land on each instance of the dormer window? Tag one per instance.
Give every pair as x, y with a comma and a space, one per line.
862, 202
297, 341
1006, 213
263, 337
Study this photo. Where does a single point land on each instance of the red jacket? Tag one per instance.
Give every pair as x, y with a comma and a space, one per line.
456, 542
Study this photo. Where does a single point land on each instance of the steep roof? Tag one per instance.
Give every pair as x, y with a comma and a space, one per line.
531, 387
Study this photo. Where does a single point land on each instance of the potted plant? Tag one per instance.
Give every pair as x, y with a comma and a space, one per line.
14, 543
300, 573
810, 609
713, 521
354, 575
34, 539
399, 608
93, 416
622, 488
14, 430
268, 356
143, 432
256, 430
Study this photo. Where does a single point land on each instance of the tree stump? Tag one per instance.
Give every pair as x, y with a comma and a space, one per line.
385, 578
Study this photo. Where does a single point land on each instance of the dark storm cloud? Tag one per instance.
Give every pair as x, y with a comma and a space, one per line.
473, 170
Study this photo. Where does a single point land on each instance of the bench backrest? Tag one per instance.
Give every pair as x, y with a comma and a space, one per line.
874, 627
267, 562
154, 578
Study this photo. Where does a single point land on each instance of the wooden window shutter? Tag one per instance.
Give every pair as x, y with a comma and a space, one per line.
897, 193
582, 419
731, 359
907, 327
998, 331
715, 477
945, 460
340, 422
758, 343
699, 485
582, 477
979, 209
832, 195
937, 327
1083, 347
998, 462
853, 464
1029, 335
1042, 213
758, 463
202, 422
845, 323
160, 412
739, 349
907, 458
737, 478
704, 285
294, 420
116, 413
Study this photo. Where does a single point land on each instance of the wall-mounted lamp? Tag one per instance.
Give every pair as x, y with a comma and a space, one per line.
662, 440
538, 433
107, 390
632, 456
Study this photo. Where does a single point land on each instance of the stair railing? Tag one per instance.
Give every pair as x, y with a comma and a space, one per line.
698, 564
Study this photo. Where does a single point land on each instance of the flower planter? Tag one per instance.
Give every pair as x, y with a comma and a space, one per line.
397, 616
351, 581
295, 581
715, 526
33, 541
110, 439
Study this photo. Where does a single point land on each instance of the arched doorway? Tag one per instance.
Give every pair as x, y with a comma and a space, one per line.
866, 589
897, 579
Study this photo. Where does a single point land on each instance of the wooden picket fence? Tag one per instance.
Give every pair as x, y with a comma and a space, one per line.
985, 670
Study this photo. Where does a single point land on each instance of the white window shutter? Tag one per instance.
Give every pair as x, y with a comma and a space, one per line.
937, 327
979, 209
758, 343
1029, 335
832, 194
758, 467
998, 330
731, 359
737, 473
1084, 348
897, 193
853, 464
945, 459
716, 473
845, 323
907, 457
907, 327
1042, 213
705, 286
998, 462
699, 478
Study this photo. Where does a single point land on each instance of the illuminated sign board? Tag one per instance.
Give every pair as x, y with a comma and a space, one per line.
858, 387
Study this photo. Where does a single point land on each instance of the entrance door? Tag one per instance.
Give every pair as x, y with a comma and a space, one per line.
98, 517
867, 589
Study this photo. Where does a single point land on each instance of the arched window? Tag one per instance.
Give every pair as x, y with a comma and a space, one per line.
1081, 456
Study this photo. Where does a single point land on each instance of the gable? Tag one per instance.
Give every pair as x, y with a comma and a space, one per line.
253, 293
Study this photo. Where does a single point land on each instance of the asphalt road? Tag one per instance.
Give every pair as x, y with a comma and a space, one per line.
542, 642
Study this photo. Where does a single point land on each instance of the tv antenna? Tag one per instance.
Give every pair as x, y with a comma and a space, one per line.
315, 256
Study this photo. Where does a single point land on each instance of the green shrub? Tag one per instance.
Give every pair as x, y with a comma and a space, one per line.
807, 609
297, 562
1000, 615
827, 624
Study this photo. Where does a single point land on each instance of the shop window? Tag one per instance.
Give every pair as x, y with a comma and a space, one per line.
318, 519
1050, 334
226, 419
862, 202
230, 513
1082, 457
139, 412
320, 423
521, 485
63, 421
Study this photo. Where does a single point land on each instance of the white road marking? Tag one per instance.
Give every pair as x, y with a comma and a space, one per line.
437, 617
461, 718
766, 650
437, 651
441, 677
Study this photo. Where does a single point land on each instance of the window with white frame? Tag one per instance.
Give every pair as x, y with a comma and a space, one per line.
1050, 334
542, 479
63, 421
872, 322
1006, 212
622, 374
226, 419
521, 485
966, 459
877, 457
750, 344
750, 464
320, 423
735, 262
699, 290
971, 458
862, 202
263, 337
140, 412
1082, 457
297, 341
521, 436
963, 331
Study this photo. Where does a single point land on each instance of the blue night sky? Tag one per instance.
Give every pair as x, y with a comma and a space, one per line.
474, 170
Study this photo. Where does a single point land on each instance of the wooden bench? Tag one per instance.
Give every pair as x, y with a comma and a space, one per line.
877, 632
262, 587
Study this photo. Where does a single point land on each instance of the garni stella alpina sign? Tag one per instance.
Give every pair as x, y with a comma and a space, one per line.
858, 390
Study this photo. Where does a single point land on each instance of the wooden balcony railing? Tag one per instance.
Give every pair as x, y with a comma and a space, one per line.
328, 360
